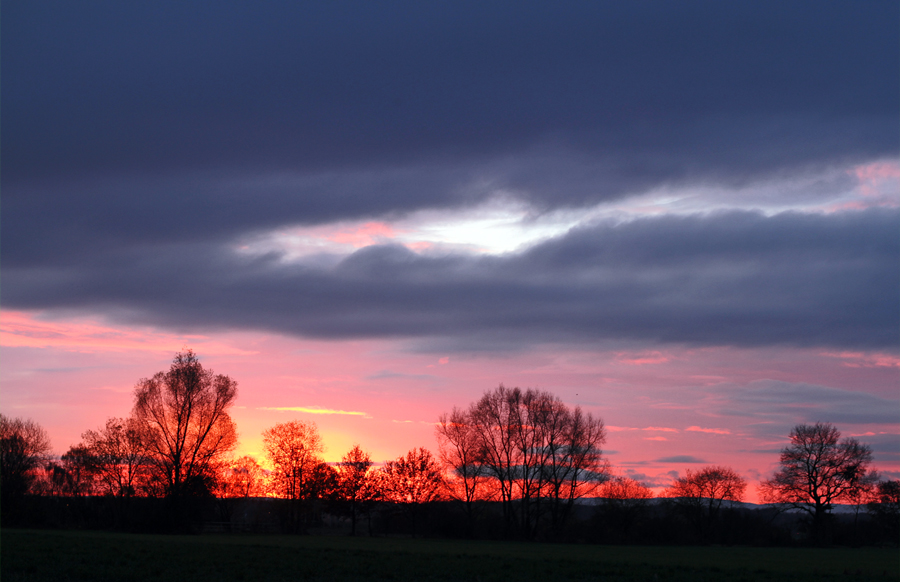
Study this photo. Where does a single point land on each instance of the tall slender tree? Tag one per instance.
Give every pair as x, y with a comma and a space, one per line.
355, 483
460, 451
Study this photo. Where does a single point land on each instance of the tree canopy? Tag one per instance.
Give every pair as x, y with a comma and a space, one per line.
183, 415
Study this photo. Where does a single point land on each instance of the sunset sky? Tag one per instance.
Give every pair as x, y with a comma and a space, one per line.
682, 216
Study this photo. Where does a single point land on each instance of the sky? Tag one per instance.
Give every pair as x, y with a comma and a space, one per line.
682, 217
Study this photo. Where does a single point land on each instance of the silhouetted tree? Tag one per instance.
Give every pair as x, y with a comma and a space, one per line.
884, 506
81, 470
494, 419
623, 504
183, 417
412, 481
460, 451
24, 447
356, 484
538, 451
293, 448
573, 466
324, 484
817, 470
119, 456
242, 477
701, 494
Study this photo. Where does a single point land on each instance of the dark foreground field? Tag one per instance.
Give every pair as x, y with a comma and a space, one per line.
66, 555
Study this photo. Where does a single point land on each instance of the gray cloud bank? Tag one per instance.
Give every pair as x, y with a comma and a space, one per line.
736, 278
671, 90
141, 140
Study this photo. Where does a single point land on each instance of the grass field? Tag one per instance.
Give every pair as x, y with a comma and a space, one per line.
32, 555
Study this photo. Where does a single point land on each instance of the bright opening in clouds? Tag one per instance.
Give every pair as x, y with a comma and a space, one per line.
493, 228
505, 224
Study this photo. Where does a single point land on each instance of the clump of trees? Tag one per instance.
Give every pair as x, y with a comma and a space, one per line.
514, 463
624, 505
700, 495
527, 449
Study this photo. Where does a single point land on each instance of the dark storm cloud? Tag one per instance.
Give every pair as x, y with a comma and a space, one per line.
734, 278
140, 141
170, 120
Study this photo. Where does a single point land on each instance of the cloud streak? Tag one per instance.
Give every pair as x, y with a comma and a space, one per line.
314, 410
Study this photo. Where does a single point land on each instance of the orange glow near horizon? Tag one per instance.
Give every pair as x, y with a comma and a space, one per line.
684, 409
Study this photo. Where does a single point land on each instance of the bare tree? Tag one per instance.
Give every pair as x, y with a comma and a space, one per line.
24, 447
412, 481
539, 452
494, 420
884, 506
817, 470
183, 417
119, 456
624, 501
702, 493
355, 481
574, 465
242, 477
81, 471
293, 449
460, 451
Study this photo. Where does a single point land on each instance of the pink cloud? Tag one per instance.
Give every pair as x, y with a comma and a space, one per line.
877, 171
864, 360
24, 329
708, 430
642, 358
656, 438
660, 429
420, 246
612, 428
878, 185
363, 235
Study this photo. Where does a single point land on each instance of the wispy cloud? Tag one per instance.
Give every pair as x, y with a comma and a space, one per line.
613, 428
642, 358
27, 329
314, 410
866, 360
709, 430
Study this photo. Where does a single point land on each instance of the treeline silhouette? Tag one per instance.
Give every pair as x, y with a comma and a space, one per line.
516, 464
